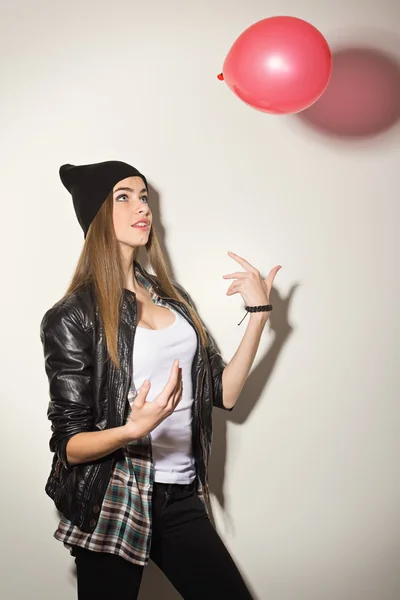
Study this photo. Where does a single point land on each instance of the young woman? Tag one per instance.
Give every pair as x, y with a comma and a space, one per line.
133, 377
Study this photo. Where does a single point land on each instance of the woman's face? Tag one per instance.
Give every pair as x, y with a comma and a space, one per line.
130, 207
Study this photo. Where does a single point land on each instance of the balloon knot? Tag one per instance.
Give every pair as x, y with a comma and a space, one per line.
221, 77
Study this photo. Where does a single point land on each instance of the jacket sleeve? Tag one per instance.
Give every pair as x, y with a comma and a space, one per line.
217, 363
68, 357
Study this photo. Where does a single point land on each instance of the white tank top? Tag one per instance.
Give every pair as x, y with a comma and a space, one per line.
154, 351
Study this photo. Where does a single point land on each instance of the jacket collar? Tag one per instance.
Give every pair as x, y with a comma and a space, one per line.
149, 281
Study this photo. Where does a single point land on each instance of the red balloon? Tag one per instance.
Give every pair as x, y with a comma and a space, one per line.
279, 65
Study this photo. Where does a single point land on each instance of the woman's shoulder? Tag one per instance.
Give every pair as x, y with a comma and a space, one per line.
76, 309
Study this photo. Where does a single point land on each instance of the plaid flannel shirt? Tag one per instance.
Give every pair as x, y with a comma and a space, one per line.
124, 525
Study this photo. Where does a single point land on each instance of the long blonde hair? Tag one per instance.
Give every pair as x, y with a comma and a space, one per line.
100, 265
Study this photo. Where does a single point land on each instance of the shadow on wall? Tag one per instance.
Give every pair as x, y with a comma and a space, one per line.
363, 97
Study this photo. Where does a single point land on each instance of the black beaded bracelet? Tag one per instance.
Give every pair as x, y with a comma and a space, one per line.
262, 308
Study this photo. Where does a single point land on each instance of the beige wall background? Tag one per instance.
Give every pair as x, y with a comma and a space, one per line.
304, 472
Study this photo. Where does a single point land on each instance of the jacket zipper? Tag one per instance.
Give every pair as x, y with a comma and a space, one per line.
206, 486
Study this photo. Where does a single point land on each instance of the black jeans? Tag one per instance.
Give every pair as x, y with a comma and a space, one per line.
185, 546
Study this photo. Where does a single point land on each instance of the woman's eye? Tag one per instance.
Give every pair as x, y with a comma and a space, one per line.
124, 197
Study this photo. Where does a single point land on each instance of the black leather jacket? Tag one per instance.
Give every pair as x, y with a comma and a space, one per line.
87, 393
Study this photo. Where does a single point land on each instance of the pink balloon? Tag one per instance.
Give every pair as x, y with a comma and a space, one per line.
279, 65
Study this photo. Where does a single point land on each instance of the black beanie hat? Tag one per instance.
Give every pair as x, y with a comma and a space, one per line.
90, 185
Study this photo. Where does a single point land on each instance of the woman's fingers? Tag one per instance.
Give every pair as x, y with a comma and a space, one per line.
177, 395
170, 386
172, 391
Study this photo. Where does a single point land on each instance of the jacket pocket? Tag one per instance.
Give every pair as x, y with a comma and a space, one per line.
61, 485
